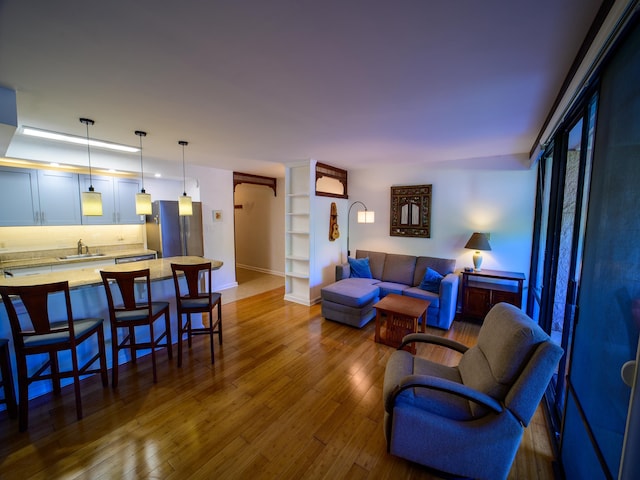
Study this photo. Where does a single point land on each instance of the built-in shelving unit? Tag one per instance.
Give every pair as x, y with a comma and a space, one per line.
299, 238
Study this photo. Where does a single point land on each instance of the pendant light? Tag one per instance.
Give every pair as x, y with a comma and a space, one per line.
185, 207
91, 200
143, 199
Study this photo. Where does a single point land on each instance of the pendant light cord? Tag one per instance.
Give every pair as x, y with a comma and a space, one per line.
141, 134
184, 175
88, 122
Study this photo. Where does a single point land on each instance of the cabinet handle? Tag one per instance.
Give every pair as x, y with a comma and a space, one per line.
36, 217
42, 217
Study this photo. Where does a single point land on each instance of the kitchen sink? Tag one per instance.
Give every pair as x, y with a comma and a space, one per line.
82, 255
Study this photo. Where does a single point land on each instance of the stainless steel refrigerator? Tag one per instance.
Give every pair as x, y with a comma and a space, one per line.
172, 235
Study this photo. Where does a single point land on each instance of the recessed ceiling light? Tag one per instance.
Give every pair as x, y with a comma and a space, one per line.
63, 137
157, 175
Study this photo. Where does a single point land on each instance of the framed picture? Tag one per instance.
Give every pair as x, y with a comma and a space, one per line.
411, 211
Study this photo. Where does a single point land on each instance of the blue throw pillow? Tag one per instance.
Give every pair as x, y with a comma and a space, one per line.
360, 267
431, 281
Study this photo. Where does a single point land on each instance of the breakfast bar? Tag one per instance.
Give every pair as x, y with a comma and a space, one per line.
88, 298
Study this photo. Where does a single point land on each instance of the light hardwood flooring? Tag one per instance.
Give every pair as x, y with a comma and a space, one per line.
291, 395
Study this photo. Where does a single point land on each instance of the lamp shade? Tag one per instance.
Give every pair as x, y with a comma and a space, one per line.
478, 241
185, 206
143, 203
366, 216
91, 203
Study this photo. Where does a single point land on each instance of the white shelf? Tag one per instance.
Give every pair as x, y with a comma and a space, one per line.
297, 275
297, 257
298, 236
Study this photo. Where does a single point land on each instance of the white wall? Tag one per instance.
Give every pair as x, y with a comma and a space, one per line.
259, 227
216, 193
486, 196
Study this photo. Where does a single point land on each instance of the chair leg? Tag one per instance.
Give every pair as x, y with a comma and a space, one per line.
7, 382
152, 341
23, 394
76, 382
220, 322
211, 338
180, 335
132, 342
167, 326
188, 324
55, 372
103, 358
114, 357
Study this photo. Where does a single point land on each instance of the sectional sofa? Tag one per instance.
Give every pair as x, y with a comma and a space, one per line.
351, 298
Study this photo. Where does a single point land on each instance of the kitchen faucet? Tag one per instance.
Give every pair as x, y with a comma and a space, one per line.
80, 246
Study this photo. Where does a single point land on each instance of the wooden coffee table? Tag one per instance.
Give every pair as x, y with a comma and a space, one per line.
402, 317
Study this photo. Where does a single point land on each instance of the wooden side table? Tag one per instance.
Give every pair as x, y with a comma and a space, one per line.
402, 317
482, 290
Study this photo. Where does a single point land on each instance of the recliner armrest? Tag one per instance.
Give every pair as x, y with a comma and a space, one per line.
442, 385
428, 338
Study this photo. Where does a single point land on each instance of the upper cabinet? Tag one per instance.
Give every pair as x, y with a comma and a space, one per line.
38, 197
118, 200
59, 198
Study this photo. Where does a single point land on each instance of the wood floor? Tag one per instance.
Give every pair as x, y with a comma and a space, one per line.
291, 395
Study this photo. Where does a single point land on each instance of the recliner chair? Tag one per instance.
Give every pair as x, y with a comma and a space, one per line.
469, 419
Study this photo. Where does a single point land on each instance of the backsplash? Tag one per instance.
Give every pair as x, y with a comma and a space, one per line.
31, 242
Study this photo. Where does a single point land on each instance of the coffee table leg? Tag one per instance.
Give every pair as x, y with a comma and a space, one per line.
378, 321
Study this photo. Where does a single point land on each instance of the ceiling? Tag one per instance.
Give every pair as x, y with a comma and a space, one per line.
255, 84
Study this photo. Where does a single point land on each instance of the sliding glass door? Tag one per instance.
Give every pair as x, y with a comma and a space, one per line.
585, 274
606, 334
563, 191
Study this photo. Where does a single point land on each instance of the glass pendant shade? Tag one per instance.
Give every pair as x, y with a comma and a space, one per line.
91, 203
185, 206
143, 203
91, 200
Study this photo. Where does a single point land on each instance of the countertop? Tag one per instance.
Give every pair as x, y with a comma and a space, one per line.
159, 269
47, 261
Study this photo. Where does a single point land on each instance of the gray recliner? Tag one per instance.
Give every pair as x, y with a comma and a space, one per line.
469, 419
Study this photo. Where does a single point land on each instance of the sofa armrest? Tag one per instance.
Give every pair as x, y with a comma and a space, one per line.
448, 299
343, 271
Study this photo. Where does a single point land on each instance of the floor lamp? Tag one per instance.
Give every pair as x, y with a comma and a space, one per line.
364, 216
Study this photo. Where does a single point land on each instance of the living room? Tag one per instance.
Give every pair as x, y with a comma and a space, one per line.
494, 192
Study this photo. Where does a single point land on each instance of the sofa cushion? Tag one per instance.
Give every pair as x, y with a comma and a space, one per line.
443, 266
359, 267
399, 269
389, 287
431, 281
353, 292
376, 261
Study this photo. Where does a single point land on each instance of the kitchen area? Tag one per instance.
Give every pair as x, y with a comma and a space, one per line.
50, 241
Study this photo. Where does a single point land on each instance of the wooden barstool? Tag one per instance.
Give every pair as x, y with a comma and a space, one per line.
6, 383
192, 298
127, 312
35, 332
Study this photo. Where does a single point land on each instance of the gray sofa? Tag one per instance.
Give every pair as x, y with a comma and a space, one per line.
350, 300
